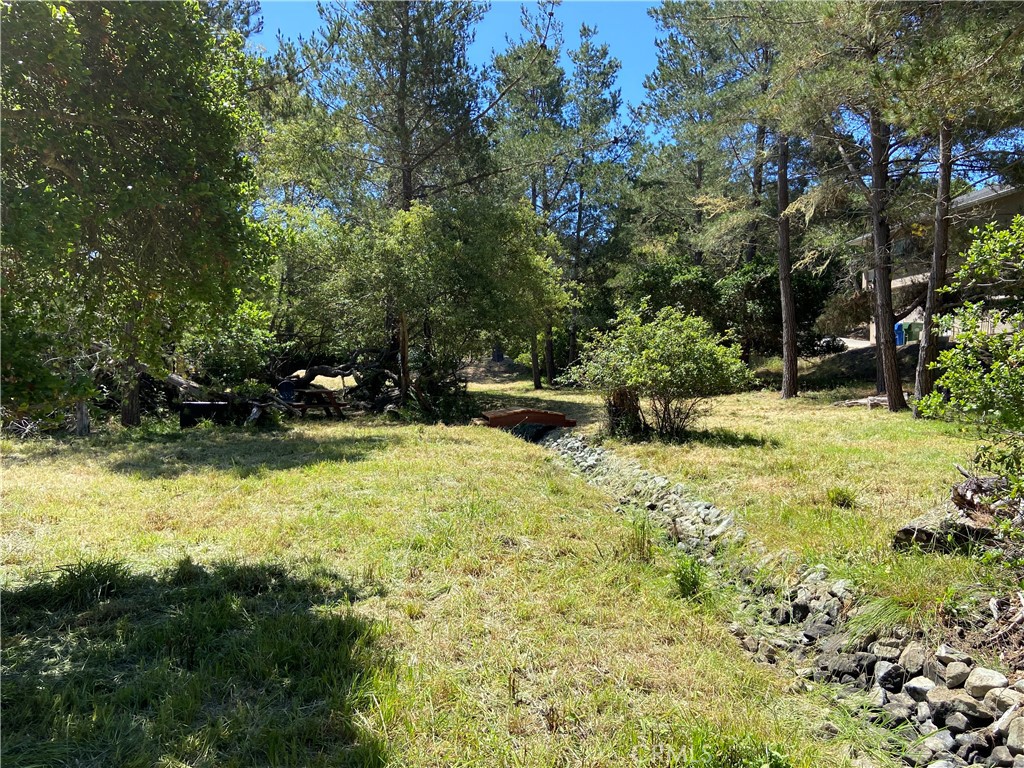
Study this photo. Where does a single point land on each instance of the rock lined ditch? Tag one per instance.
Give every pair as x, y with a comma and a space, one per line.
949, 710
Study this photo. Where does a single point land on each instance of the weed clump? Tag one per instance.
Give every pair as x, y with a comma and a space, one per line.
688, 576
841, 497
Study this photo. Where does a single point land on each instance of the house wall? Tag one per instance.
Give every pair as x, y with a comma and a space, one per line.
964, 218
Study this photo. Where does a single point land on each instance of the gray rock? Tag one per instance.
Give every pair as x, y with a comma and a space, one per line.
781, 614
885, 651
816, 630
982, 680
934, 670
924, 715
941, 530
947, 654
892, 677
1018, 761
918, 688
841, 589
877, 697
896, 713
940, 741
956, 674
1001, 757
832, 608
945, 702
1002, 699
912, 658
904, 699
917, 754
843, 664
800, 608
865, 662
1015, 736
957, 723
1001, 726
973, 745
943, 764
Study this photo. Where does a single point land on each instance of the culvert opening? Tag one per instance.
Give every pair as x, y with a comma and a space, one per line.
530, 424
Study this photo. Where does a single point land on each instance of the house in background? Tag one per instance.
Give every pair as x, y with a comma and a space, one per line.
912, 246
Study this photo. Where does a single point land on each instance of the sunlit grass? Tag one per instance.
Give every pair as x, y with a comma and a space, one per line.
517, 618
823, 484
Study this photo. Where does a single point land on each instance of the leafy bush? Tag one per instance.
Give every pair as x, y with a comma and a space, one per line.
659, 374
983, 375
236, 350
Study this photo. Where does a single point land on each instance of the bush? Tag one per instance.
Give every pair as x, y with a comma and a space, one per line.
983, 375
659, 374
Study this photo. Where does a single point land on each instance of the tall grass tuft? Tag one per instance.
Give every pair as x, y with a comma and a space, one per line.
688, 576
639, 543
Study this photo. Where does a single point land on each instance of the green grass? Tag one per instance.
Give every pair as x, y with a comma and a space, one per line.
823, 484
358, 594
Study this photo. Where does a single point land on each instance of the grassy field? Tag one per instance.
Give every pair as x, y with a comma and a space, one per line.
359, 594
823, 484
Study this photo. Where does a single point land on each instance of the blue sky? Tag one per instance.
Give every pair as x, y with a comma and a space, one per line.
623, 24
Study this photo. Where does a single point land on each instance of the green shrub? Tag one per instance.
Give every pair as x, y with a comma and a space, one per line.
688, 576
982, 381
659, 374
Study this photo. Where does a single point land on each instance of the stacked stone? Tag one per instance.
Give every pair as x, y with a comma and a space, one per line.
693, 525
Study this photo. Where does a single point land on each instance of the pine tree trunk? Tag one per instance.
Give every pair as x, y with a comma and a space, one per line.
928, 351
756, 189
535, 362
789, 346
82, 425
549, 354
885, 319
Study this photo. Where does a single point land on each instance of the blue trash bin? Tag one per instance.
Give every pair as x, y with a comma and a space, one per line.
901, 336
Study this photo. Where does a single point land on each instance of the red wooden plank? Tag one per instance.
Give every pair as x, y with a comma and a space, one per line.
510, 417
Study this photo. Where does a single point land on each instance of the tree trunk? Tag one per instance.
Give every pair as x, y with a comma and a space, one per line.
82, 425
131, 407
756, 189
403, 353
535, 362
789, 348
625, 417
928, 351
549, 354
885, 319
574, 275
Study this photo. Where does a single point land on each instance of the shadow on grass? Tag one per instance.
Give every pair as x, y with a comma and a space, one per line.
240, 451
727, 438
232, 665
